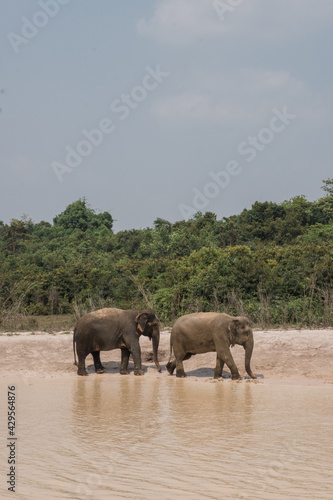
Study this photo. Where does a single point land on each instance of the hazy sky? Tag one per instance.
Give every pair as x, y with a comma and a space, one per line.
162, 108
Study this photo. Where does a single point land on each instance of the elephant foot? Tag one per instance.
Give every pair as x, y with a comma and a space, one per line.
181, 374
170, 368
82, 373
99, 368
124, 372
236, 376
138, 372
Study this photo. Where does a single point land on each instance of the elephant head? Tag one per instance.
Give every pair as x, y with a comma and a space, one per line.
240, 332
147, 324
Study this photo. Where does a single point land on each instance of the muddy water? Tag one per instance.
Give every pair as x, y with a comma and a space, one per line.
143, 438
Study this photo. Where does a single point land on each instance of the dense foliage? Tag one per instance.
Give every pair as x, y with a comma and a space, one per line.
273, 262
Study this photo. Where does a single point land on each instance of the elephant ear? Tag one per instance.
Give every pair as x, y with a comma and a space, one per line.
232, 330
141, 321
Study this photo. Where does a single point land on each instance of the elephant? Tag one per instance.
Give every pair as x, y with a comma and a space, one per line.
112, 328
210, 332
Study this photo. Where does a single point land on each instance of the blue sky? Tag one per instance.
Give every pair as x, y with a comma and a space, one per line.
161, 108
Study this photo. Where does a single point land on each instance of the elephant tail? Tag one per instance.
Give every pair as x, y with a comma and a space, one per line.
75, 361
170, 356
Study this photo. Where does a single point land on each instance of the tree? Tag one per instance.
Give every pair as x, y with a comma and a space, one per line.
272, 261
162, 223
328, 187
17, 233
79, 216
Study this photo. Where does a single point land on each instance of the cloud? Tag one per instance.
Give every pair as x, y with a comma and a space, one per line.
244, 96
181, 22
186, 107
281, 21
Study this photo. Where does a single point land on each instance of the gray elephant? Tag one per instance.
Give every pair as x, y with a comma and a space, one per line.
112, 328
210, 332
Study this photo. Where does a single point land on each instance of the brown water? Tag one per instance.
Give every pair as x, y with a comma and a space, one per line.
146, 438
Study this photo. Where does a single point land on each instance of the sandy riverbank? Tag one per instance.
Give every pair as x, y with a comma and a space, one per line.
291, 356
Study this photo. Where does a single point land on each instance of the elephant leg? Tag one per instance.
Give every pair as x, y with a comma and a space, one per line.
180, 373
81, 367
226, 357
99, 368
135, 350
180, 357
170, 366
219, 368
125, 354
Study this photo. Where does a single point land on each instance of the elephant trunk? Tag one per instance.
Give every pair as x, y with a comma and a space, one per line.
156, 341
248, 354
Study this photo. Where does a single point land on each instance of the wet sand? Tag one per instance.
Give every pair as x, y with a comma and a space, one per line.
291, 356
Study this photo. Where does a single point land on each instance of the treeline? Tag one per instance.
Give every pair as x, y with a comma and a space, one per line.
273, 262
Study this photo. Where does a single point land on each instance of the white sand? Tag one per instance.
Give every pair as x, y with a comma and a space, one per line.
288, 356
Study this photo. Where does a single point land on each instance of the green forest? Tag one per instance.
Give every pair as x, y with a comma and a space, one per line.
272, 262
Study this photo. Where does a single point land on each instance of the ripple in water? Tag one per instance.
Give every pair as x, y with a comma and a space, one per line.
138, 438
